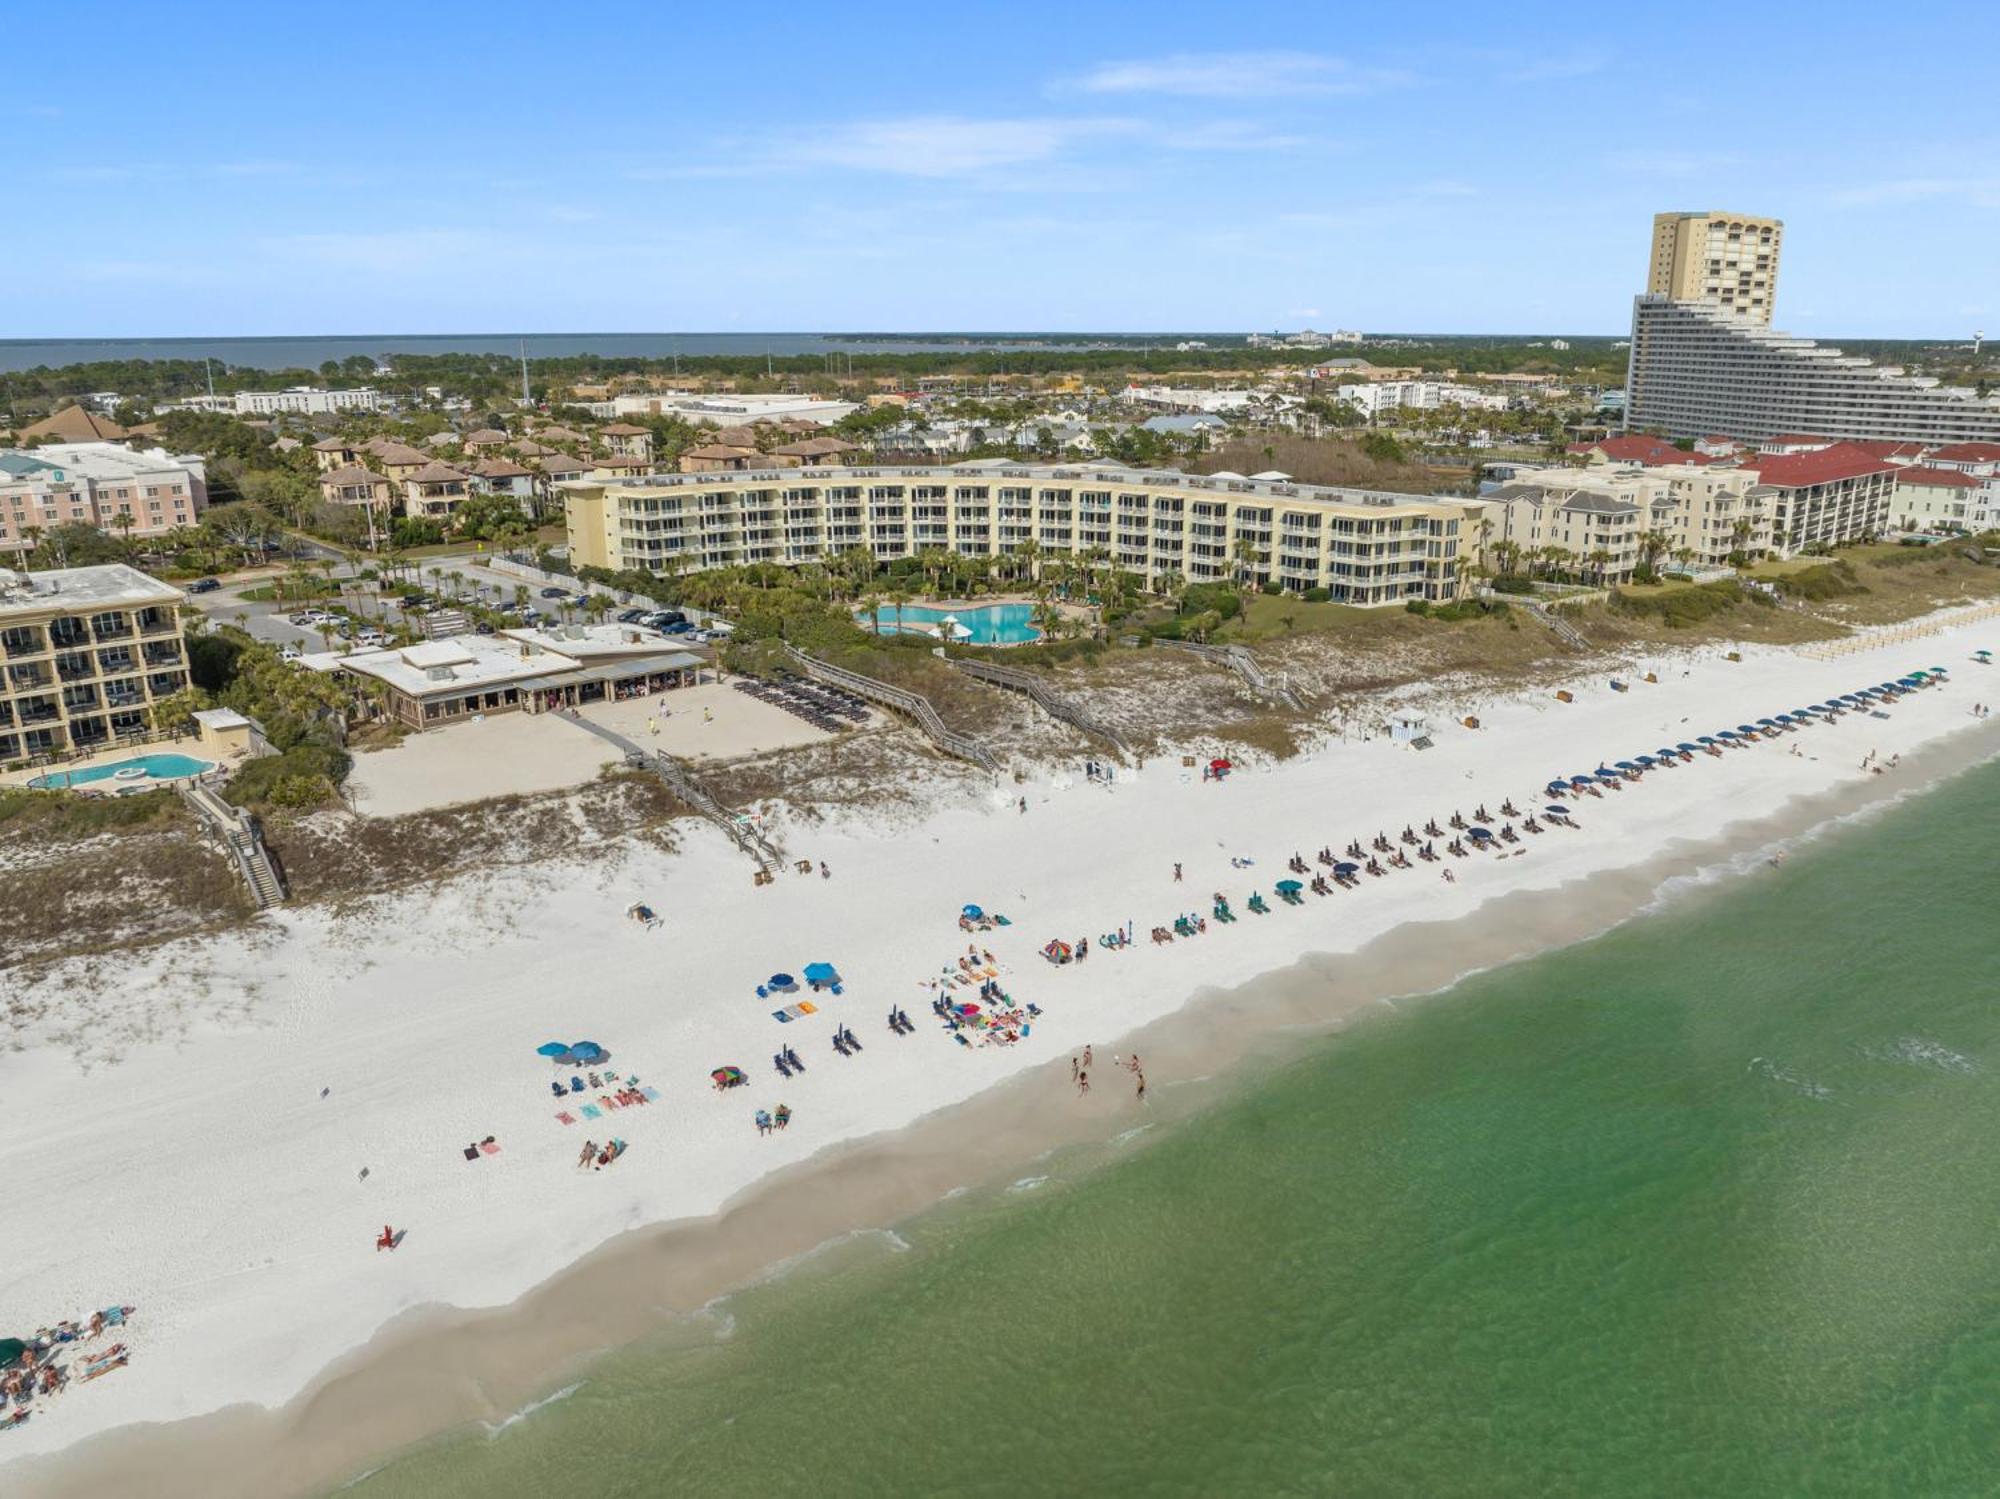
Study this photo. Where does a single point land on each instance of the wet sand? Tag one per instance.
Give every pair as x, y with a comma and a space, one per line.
436, 1370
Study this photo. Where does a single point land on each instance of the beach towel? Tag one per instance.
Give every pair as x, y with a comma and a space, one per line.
783, 1017
489, 1148
807, 1007
652, 1094
609, 1103
592, 1111
566, 1118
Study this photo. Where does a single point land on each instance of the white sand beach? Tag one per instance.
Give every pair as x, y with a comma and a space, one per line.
196, 1119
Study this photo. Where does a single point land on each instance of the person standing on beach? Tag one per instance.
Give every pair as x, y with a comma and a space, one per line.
1083, 1082
1142, 1087
1086, 1057
1072, 1069
1177, 874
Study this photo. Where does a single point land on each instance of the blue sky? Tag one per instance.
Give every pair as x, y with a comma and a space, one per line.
266, 169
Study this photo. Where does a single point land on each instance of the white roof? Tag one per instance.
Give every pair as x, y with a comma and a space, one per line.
450, 667
221, 718
112, 585
594, 642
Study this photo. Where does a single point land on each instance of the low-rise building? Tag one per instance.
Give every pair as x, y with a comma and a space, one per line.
441, 681
303, 400
355, 485
1942, 499
101, 484
722, 410
1825, 497
1690, 515
503, 476
87, 651
434, 491
1362, 546
623, 440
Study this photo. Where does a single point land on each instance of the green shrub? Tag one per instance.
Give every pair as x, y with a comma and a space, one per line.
1318, 595
1271, 588
1682, 607
1417, 606
1831, 580
1512, 585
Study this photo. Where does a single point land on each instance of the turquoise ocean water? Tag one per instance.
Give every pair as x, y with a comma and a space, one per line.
1707, 1206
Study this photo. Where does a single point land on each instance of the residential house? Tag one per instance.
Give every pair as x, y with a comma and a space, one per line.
434, 491
355, 485
502, 476
624, 440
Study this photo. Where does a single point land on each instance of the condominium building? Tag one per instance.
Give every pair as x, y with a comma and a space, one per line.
1943, 499
1822, 498
1417, 395
1363, 546
102, 484
1696, 369
85, 650
1690, 514
1730, 259
303, 400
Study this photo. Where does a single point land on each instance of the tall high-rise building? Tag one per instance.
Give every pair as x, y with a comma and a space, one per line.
1730, 259
1705, 358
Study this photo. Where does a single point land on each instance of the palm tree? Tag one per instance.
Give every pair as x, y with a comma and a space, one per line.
1245, 552
124, 520
1029, 553
899, 596
1600, 561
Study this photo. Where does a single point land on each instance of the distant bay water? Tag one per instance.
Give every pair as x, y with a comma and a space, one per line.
309, 352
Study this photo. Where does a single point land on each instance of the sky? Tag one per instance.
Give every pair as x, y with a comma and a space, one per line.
225, 169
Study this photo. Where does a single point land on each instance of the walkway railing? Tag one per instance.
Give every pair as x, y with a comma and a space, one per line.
243, 837
1038, 691
1239, 660
681, 780
1869, 640
1564, 631
912, 705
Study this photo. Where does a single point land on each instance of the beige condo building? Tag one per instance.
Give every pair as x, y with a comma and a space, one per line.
1697, 517
85, 651
1730, 259
1364, 547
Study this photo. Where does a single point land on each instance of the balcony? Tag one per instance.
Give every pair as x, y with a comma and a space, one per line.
27, 678
23, 643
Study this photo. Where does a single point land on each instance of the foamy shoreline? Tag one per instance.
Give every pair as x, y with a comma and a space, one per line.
230, 1209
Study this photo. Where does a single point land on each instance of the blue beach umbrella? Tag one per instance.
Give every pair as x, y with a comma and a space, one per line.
782, 981
552, 1049
1769, 723
1728, 735
1556, 788
821, 973
1624, 765
587, 1052
1479, 835
971, 913
1579, 780
1556, 811
1347, 869
1289, 887
1744, 728
1685, 748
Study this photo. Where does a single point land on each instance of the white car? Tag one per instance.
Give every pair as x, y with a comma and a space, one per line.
371, 636
289, 652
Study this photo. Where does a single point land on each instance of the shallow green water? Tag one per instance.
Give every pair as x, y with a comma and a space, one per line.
1705, 1207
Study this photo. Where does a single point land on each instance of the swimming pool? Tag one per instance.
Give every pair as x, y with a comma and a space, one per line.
984, 624
148, 768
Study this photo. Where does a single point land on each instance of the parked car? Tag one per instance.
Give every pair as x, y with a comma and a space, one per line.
204, 585
631, 616
678, 627
289, 653
371, 636
555, 593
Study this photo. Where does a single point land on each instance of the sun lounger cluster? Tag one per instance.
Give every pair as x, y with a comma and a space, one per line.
34, 1371
824, 707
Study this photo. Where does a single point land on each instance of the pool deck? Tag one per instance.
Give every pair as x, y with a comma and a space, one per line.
187, 745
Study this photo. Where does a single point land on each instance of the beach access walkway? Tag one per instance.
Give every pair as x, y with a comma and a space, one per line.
912, 705
1240, 660
684, 784
1064, 709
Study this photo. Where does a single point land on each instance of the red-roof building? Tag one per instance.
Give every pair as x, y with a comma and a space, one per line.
1942, 499
1981, 458
1633, 447
1826, 496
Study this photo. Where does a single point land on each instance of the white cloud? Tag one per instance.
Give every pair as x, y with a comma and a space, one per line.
1237, 75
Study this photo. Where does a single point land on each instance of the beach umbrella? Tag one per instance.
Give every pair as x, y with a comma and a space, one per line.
1555, 811
1744, 728
1479, 835
782, 981
1347, 869
1579, 780
1983, 655
552, 1049
1685, 748
971, 913
586, 1051
11, 1349
1769, 723
1624, 765
1289, 887
1220, 765
821, 973
965, 1009
1937, 671
729, 1077
1556, 788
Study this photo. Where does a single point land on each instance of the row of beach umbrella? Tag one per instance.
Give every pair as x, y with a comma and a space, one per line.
1743, 733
